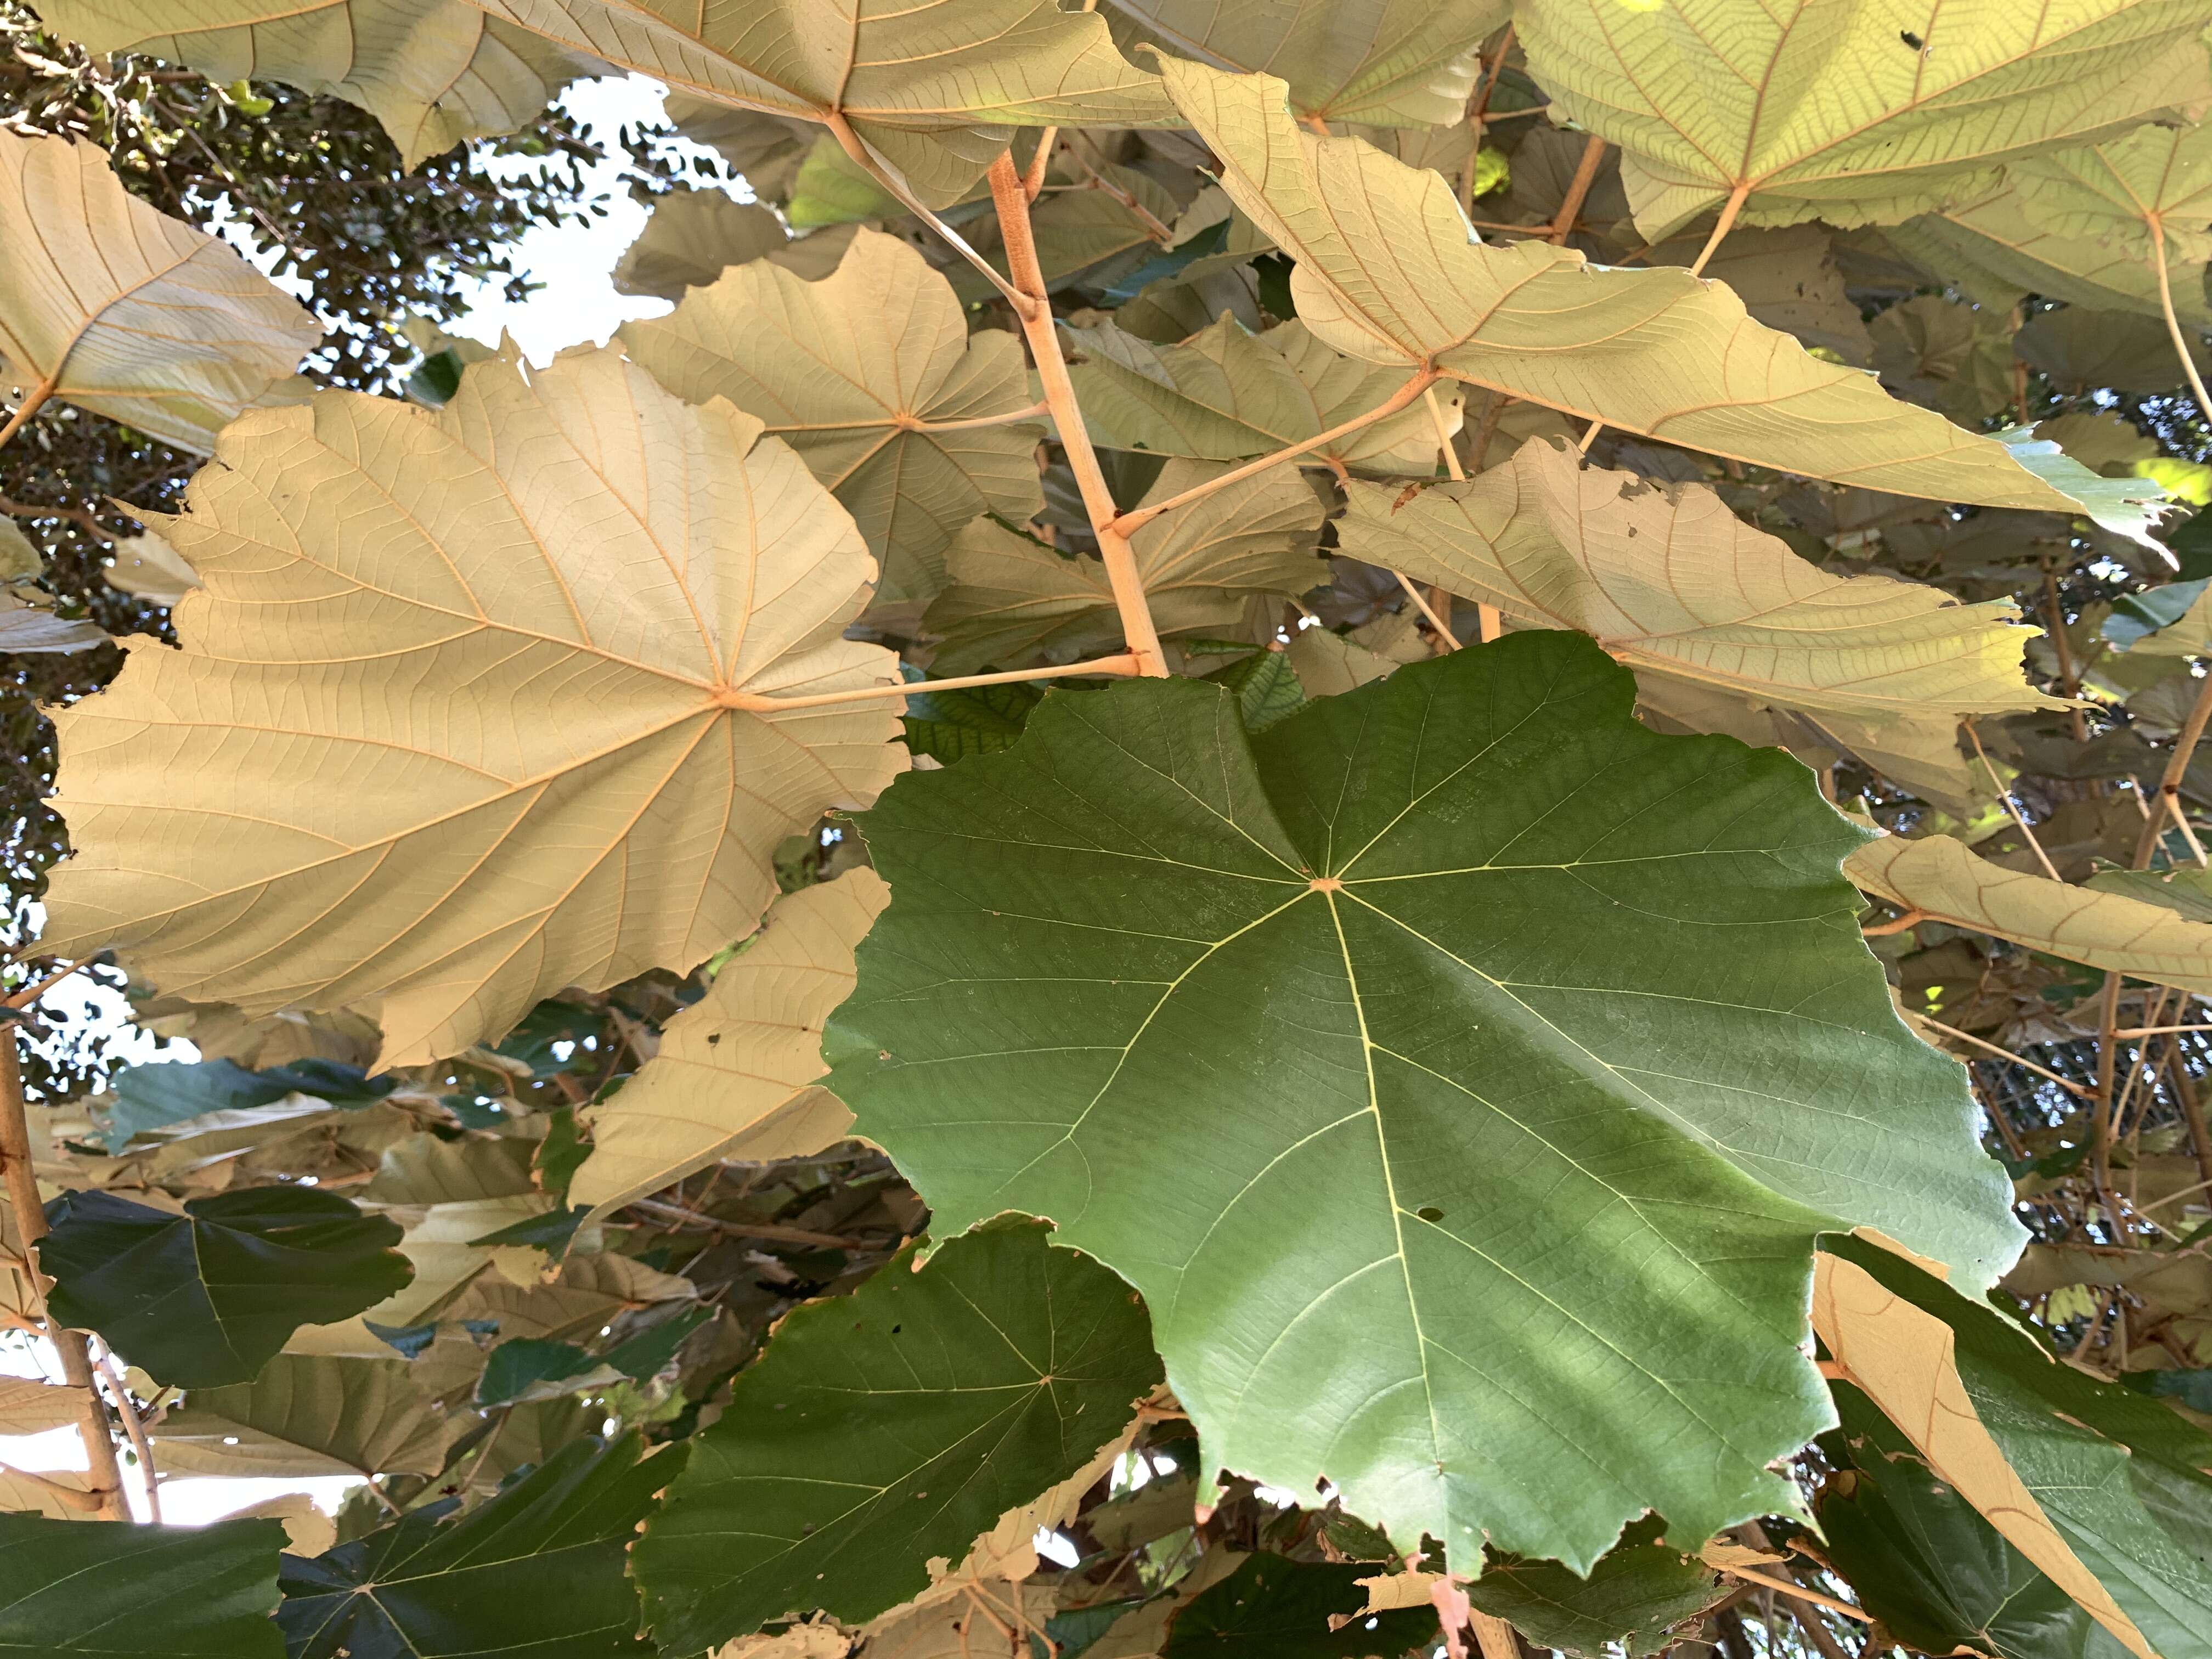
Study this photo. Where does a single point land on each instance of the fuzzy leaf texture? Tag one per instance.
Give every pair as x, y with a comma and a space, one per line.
488, 678
1389, 269
1480, 1179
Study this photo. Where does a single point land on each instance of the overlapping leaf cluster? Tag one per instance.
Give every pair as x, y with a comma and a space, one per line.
1203, 874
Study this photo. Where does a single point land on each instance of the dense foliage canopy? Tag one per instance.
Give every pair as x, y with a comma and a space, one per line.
1314, 827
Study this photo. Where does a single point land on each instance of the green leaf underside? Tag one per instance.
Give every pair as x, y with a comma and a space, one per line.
536, 1571
208, 1297
889, 1426
1931, 1568
153, 1097
1484, 1187
114, 1588
2122, 1477
1274, 1608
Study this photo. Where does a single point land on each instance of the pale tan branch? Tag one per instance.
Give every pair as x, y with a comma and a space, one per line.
849, 142
759, 703
1041, 332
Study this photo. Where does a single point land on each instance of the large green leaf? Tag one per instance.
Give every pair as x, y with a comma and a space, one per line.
1384, 62
1388, 270
537, 1572
1854, 111
113, 1589
1462, 1071
889, 1426
1938, 1576
934, 92
2097, 1482
209, 1296
434, 72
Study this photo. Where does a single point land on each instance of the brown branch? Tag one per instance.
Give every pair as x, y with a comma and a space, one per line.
2157, 224
1724, 224
33, 401
1578, 189
1041, 332
105, 1473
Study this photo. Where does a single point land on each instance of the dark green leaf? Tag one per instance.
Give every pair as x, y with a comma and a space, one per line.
113, 1589
892, 1426
550, 1231
1925, 1564
560, 1154
531, 1368
208, 1298
1463, 1071
535, 1572
647, 1354
2136, 614
1075, 1631
1274, 1608
2122, 1477
979, 719
1635, 1597
153, 1097
1266, 685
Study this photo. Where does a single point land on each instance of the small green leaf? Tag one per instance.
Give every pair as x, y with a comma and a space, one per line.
976, 719
531, 1368
537, 1569
1266, 685
155, 1096
1634, 1599
116, 1589
209, 1296
884, 1428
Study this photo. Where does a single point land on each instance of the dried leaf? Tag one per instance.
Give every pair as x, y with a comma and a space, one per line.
693, 236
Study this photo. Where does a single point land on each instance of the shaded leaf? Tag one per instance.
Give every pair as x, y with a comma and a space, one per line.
119, 309
114, 1587
1013, 598
890, 1425
974, 720
870, 375
691, 238
309, 1415
154, 1095
537, 1569
1274, 1608
1636, 1596
1670, 581
529, 1369
2104, 928
1543, 1029
148, 568
608, 796
735, 1077
206, 1298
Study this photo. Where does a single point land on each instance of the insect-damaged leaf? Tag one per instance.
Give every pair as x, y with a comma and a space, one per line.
1388, 270
469, 710
1706, 97
209, 1296
1480, 1178
110, 305
895, 1425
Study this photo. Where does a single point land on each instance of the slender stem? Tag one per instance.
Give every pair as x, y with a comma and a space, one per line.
33, 401
2070, 678
2157, 224
133, 1426
1444, 639
2177, 767
1749, 1576
2101, 1132
1724, 224
971, 423
1578, 189
1444, 434
1492, 68
2188, 832
104, 1473
2011, 805
2192, 1112
2065, 1083
1033, 181
1125, 663
1135, 520
849, 142
1041, 332
67, 1496
2158, 1030
38, 987
1882, 929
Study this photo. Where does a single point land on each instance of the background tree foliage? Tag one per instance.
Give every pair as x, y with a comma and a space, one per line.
1313, 829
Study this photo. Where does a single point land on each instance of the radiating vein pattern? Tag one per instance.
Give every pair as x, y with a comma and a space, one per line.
1462, 1071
